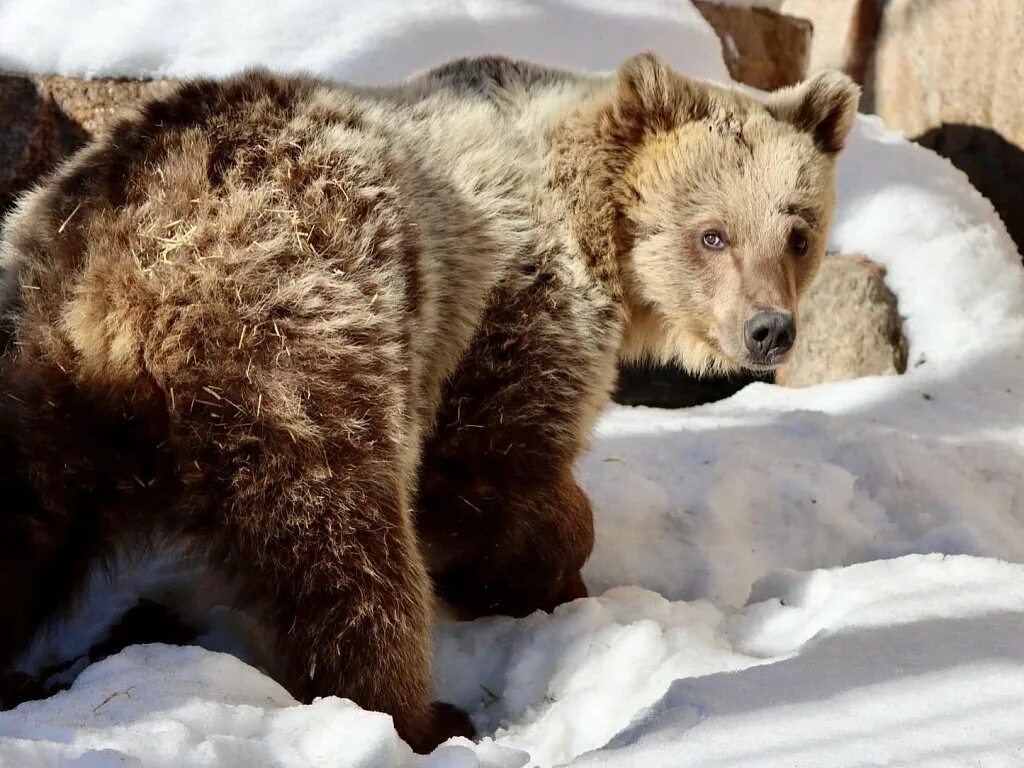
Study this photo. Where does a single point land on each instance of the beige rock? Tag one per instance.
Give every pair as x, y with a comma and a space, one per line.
844, 32
948, 73
94, 104
761, 48
949, 61
849, 326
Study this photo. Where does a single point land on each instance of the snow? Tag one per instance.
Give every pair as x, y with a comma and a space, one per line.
913, 662
367, 42
910, 661
825, 576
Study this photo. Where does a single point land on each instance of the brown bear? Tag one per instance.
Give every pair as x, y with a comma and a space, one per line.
335, 339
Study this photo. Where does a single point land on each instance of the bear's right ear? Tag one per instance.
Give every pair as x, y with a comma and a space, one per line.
823, 106
651, 96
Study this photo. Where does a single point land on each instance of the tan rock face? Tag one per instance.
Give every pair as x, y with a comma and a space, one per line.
949, 74
947, 61
849, 326
94, 104
761, 48
844, 32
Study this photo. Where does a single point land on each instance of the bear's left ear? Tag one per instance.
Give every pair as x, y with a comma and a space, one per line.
653, 96
824, 106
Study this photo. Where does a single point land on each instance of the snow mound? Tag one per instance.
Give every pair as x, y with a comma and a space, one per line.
822, 576
160, 705
915, 661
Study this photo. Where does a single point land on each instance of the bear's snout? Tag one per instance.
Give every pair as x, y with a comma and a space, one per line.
769, 335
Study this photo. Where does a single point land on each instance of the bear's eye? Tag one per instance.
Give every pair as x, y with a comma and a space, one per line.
713, 239
798, 242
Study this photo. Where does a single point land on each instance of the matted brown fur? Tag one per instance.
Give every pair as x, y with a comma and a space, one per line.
271, 317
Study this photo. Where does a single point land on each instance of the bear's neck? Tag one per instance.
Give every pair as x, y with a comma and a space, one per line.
589, 156
592, 150
586, 172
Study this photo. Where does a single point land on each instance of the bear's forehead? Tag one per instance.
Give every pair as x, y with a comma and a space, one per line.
759, 190
755, 158
749, 129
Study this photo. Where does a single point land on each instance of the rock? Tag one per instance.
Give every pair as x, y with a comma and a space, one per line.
46, 118
844, 33
849, 326
761, 47
929, 72
95, 104
948, 74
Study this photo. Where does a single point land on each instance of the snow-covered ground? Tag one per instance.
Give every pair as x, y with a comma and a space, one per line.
817, 577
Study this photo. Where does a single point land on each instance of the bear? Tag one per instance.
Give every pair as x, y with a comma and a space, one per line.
345, 344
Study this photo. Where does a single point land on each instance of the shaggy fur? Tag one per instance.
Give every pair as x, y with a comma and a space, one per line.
270, 317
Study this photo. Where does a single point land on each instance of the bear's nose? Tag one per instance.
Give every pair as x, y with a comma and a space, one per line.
769, 335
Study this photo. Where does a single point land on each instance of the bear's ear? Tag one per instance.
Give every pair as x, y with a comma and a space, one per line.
652, 96
823, 106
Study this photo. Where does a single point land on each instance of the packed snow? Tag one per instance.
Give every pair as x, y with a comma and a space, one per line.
825, 576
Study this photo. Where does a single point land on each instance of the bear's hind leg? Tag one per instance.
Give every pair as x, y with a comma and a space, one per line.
47, 545
513, 547
336, 577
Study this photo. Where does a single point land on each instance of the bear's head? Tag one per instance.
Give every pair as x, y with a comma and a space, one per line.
727, 202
